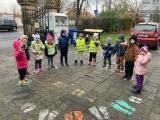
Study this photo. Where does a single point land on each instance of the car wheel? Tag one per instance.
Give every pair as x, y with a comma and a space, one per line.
14, 29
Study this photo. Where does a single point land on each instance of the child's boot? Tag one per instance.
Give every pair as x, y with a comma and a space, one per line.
75, 62
137, 91
89, 63
81, 62
94, 63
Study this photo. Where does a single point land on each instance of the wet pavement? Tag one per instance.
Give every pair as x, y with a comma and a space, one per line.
77, 91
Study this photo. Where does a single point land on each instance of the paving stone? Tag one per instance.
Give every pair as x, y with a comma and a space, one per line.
154, 116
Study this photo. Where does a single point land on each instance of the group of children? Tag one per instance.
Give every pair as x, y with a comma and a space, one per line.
135, 59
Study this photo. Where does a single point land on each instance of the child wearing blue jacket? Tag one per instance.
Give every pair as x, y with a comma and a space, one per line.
107, 52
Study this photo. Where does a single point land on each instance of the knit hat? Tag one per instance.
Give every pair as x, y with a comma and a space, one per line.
144, 48
63, 32
23, 37
36, 37
49, 36
95, 35
121, 37
108, 40
80, 35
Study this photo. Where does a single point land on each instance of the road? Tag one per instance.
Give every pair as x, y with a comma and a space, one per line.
89, 92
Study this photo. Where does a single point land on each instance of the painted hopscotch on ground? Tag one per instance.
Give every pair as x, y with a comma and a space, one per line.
75, 115
51, 116
123, 106
28, 107
79, 93
98, 111
135, 100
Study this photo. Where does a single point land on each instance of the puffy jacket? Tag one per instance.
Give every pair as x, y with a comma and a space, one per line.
140, 67
107, 50
63, 42
131, 52
119, 51
20, 56
51, 49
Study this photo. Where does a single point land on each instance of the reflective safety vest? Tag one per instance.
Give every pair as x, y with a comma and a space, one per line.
37, 47
93, 47
51, 48
80, 45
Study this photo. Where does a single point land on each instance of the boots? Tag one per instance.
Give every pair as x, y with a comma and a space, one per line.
94, 63
75, 62
136, 91
89, 63
81, 62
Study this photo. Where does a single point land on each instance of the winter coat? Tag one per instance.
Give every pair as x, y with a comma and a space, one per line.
38, 50
119, 51
63, 42
140, 65
131, 52
107, 50
51, 49
20, 56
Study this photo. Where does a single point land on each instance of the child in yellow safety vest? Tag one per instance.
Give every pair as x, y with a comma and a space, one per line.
80, 48
93, 49
37, 48
51, 50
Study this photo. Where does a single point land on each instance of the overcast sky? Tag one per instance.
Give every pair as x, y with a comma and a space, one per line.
7, 5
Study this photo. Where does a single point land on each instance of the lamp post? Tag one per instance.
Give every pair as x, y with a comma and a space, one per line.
96, 11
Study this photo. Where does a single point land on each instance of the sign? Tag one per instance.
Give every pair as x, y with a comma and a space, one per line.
36, 24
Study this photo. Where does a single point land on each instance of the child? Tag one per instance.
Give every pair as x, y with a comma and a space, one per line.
37, 48
51, 50
140, 68
119, 53
93, 49
131, 52
63, 44
21, 59
107, 52
80, 47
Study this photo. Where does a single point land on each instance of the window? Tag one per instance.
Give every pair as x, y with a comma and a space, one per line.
147, 28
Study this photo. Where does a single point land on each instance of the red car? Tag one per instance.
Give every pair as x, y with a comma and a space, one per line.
147, 33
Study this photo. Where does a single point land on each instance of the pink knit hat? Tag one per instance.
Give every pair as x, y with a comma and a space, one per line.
49, 36
144, 48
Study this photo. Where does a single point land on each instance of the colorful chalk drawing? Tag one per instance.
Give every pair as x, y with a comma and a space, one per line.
78, 92
135, 100
75, 115
123, 106
51, 116
28, 107
97, 112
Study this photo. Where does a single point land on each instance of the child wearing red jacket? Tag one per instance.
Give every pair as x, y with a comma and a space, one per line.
20, 46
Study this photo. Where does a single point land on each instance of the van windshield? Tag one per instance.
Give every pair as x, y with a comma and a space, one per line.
147, 28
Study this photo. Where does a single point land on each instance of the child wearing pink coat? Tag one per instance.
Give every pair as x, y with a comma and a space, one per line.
20, 46
140, 68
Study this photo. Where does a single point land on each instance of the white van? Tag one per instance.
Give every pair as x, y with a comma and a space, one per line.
58, 22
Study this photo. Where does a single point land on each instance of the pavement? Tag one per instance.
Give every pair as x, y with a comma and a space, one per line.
76, 91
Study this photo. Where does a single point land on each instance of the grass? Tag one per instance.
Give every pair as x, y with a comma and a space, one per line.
114, 37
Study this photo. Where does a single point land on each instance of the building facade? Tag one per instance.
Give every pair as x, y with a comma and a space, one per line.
148, 7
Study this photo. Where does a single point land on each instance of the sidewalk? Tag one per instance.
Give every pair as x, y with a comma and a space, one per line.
77, 88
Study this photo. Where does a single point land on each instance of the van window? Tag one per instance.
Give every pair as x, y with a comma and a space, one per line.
147, 28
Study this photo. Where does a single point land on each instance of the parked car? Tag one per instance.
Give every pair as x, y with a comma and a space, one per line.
147, 33
9, 25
